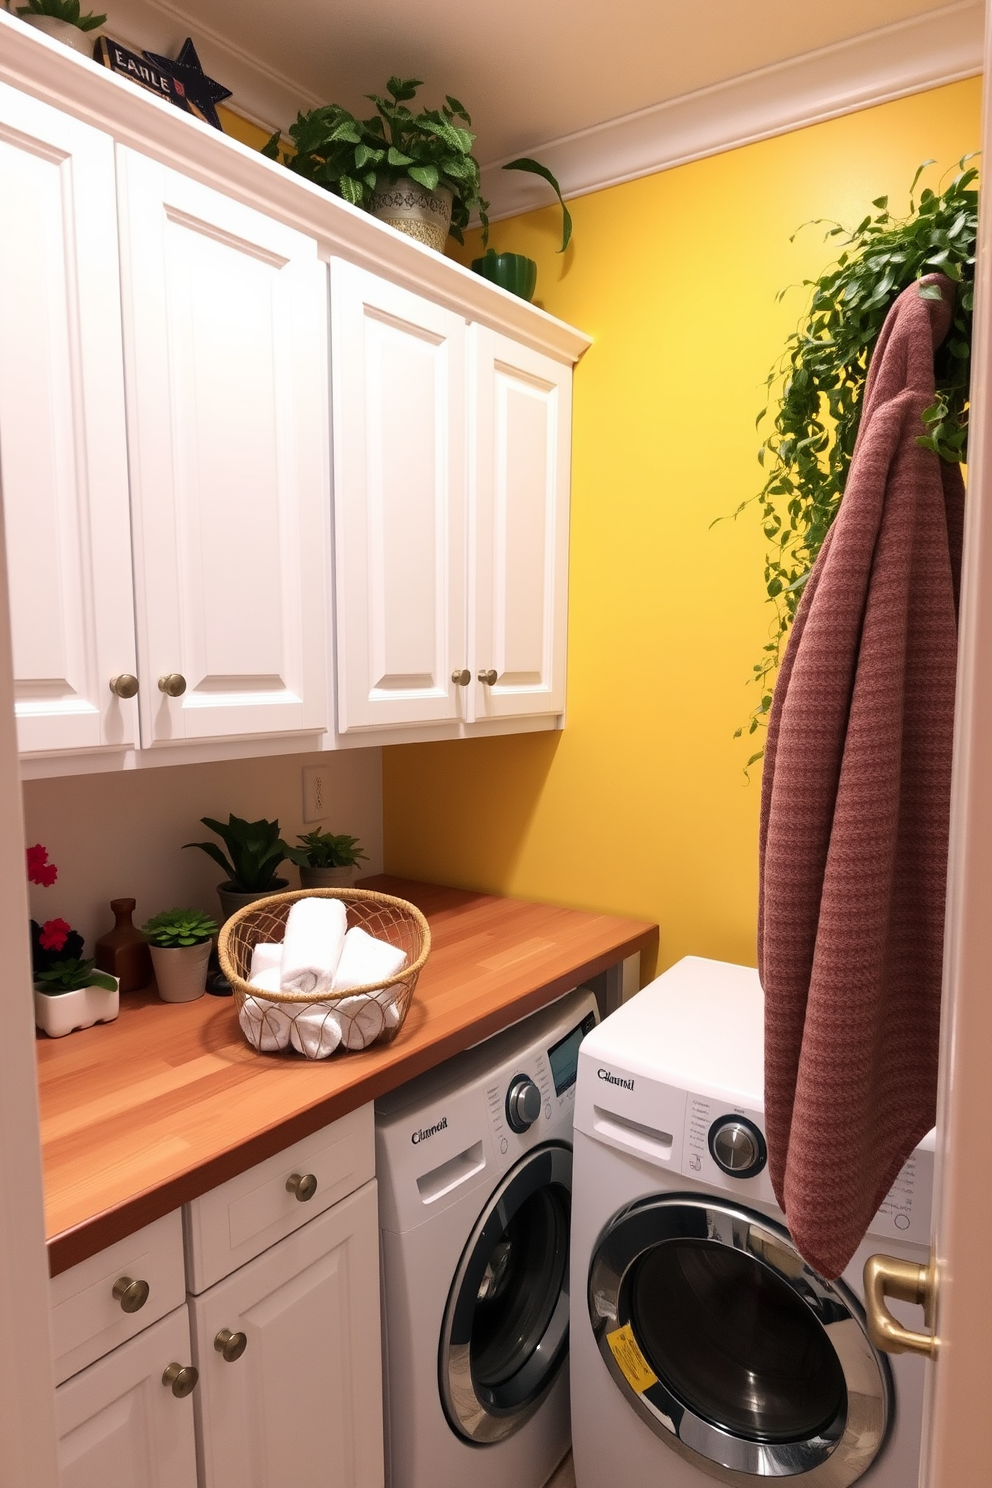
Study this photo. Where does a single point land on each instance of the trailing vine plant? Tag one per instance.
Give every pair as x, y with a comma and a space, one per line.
816, 388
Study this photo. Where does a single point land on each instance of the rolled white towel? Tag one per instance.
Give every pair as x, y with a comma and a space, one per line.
362, 1020
266, 1025
365, 960
265, 957
316, 1030
315, 932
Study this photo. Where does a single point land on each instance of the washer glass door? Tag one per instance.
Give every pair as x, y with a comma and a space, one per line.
505, 1331
732, 1349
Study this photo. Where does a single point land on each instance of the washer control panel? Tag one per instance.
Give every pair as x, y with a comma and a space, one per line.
523, 1099
737, 1146
523, 1103
724, 1146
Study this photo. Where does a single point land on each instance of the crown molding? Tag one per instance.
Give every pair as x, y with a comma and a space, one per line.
940, 46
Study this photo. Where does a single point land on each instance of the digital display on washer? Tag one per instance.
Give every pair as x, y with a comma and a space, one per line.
563, 1057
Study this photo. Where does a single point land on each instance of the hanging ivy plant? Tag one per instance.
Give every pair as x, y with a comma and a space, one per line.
816, 388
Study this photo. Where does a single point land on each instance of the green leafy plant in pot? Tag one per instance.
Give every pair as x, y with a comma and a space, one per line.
180, 941
514, 271
254, 852
62, 21
326, 861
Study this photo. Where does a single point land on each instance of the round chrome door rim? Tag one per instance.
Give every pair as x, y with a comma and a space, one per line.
834, 1458
472, 1413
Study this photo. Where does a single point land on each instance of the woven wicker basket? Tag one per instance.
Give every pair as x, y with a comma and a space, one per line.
381, 915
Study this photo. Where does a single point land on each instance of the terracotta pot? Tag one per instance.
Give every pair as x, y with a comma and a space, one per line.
65, 32
328, 878
67, 1011
232, 898
421, 214
181, 971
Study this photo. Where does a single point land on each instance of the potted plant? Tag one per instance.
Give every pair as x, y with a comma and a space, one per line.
513, 271
180, 941
254, 852
326, 861
68, 990
61, 20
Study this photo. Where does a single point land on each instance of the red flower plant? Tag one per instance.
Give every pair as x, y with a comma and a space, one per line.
41, 871
54, 934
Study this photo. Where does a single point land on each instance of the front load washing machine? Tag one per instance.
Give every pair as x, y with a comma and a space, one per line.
703, 1347
474, 1164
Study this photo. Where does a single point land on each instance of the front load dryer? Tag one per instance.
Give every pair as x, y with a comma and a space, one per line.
474, 1164
703, 1347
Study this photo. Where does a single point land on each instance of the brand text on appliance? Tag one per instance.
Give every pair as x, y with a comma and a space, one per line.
422, 1134
611, 1079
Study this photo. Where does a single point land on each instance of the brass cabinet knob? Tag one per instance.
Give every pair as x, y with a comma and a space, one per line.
173, 684
124, 686
303, 1185
462, 678
488, 679
231, 1345
132, 1295
181, 1379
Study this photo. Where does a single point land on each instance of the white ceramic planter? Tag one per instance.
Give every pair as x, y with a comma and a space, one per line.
410, 207
181, 971
327, 878
68, 1011
65, 32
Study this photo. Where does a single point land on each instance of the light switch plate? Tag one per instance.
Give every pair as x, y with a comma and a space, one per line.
315, 785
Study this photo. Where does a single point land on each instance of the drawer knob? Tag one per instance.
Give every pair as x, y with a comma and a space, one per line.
132, 1295
488, 679
303, 1185
462, 678
231, 1345
181, 1379
173, 684
124, 686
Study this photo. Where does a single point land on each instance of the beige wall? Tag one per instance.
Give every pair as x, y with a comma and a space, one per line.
122, 834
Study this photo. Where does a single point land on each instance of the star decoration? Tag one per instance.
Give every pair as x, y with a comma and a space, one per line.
200, 92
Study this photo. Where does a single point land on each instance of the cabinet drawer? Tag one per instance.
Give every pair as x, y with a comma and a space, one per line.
237, 1221
88, 1320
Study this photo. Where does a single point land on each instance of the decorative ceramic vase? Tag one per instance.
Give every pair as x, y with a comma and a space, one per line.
65, 32
327, 878
510, 271
181, 971
232, 899
66, 1011
123, 951
421, 214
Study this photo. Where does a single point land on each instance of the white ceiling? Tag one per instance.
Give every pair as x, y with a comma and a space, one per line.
529, 71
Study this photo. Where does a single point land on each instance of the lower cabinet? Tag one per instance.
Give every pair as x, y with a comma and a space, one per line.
288, 1350
122, 1424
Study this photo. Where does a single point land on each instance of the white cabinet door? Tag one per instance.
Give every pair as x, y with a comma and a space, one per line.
302, 1406
63, 452
398, 400
225, 331
119, 1426
519, 456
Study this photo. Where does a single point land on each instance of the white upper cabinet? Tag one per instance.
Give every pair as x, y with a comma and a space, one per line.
519, 497
63, 453
398, 392
225, 332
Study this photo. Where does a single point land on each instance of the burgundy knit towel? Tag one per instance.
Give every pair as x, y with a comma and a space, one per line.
854, 815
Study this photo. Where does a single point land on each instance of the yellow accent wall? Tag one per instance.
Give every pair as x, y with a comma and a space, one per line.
640, 806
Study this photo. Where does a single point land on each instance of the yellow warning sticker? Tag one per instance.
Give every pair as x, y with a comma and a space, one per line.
632, 1364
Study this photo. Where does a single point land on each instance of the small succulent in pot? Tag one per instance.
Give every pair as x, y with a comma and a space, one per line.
61, 10
326, 861
180, 941
72, 974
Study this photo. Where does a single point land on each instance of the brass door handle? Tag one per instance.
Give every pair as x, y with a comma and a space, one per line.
230, 1345
124, 686
905, 1281
488, 679
132, 1295
462, 678
303, 1185
173, 684
181, 1379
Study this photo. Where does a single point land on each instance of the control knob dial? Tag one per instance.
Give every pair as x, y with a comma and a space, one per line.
523, 1103
737, 1146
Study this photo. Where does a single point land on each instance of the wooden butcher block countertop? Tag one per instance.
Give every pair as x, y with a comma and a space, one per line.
140, 1115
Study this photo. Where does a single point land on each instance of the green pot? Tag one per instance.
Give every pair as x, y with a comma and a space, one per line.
510, 271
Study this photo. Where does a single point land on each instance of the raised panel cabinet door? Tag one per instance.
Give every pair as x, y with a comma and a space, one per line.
63, 449
398, 400
301, 1405
119, 1425
226, 346
519, 481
